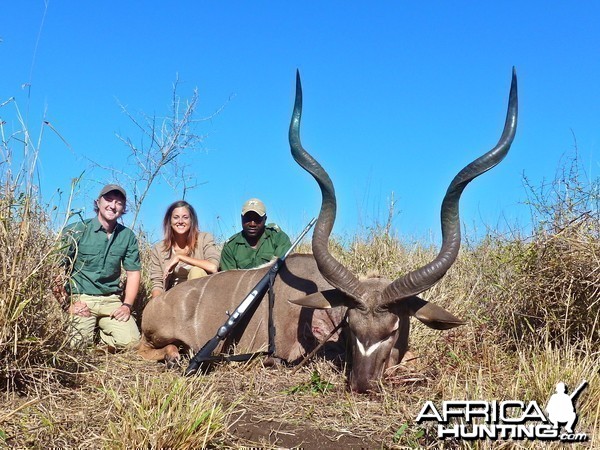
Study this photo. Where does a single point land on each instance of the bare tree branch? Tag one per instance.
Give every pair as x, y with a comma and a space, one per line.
162, 143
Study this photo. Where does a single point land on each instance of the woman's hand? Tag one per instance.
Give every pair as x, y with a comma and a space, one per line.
170, 266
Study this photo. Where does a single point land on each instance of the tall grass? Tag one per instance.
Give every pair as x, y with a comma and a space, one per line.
28, 260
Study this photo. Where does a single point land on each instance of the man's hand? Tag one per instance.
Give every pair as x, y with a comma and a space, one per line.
79, 309
122, 313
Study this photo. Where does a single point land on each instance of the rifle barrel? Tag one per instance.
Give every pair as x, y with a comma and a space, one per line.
299, 238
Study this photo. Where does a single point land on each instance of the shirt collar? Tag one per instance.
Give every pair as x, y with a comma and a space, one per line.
240, 239
97, 226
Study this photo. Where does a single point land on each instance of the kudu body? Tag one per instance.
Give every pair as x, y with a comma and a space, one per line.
377, 310
191, 312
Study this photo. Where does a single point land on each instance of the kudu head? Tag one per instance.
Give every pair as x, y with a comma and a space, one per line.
378, 310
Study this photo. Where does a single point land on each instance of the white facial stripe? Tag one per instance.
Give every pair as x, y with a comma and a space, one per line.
369, 351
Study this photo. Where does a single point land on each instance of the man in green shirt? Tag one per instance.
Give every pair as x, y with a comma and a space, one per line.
97, 250
257, 243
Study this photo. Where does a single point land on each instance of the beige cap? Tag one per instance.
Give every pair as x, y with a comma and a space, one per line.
255, 205
112, 187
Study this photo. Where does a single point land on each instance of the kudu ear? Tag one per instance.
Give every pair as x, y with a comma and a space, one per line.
431, 315
324, 300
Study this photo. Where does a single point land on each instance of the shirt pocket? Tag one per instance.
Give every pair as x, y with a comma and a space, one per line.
115, 256
118, 247
262, 259
265, 253
88, 260
246, 263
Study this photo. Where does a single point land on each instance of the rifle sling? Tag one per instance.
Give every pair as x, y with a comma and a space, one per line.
271, 349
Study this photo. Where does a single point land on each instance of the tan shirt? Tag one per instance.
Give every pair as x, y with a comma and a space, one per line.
205, 249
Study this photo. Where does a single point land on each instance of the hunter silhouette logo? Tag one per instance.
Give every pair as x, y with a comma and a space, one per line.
561, 407
508, 419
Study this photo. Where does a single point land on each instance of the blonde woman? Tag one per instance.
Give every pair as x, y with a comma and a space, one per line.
184, 253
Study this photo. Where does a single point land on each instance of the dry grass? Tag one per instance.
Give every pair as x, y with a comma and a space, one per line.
124, 401
119, 401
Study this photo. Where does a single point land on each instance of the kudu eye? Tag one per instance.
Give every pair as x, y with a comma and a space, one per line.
382, 309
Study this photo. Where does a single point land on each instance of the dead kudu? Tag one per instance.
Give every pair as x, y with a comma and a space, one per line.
320, 291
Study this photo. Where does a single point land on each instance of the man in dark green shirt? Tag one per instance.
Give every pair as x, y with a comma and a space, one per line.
97, 250
257, 243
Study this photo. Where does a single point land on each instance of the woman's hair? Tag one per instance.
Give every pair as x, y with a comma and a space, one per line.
169, 236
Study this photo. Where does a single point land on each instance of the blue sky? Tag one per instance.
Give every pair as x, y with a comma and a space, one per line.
398, 96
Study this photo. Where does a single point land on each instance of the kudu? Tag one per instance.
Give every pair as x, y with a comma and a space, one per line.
377, 311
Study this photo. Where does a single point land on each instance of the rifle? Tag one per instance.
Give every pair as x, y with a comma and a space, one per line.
204, 355
577, 391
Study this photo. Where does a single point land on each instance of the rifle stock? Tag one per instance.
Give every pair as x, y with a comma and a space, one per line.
201, 360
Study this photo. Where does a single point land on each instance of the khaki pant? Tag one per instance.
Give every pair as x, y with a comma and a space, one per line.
112, 332
196, 272
193, 273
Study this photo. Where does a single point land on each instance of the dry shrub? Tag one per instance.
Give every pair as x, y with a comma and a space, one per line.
561, 272
547, 285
